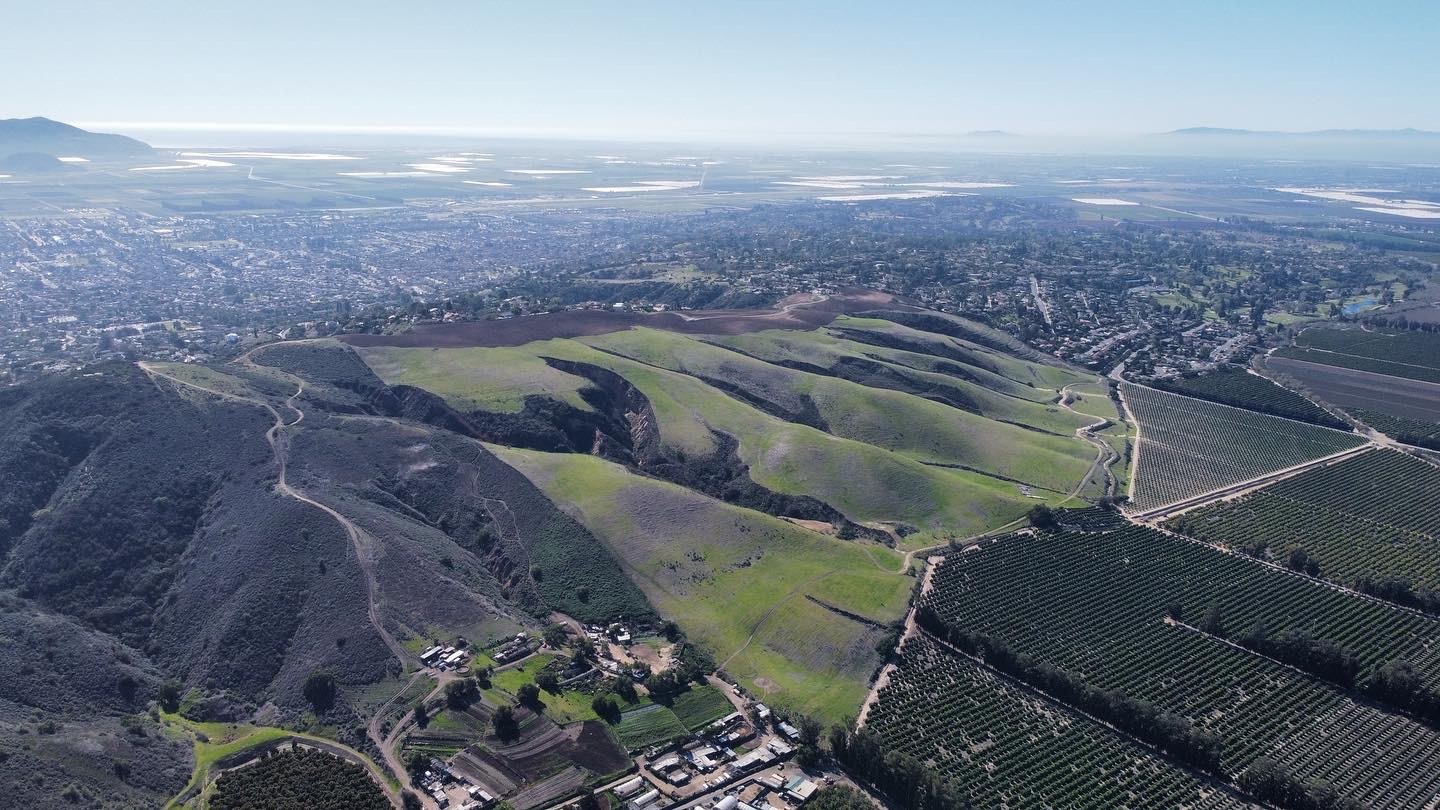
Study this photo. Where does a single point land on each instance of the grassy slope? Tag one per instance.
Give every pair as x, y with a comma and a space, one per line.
824, 348
726, 573
496, 379
867, 482
905, 423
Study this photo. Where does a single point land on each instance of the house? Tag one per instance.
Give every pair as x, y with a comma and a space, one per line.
800, 789
430, 653
780, 748
727, 802
754, 760
791, 733
669, 763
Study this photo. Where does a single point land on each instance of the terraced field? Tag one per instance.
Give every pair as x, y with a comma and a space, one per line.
1371, 516
1164, 620
1189, 447
1001, 744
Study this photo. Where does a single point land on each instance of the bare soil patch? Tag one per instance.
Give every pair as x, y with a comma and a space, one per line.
797, 312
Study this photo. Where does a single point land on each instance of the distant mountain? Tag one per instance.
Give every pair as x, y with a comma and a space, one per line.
46, 137
990, 133
1408, 132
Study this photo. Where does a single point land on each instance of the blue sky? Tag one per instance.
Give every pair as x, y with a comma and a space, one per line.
751, 68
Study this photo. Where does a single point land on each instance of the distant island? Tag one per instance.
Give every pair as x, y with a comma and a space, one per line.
28, 141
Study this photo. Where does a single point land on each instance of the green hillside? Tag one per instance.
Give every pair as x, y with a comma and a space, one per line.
741, 583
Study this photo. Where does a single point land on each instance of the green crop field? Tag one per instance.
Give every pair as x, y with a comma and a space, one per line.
1188, 447
1241, 389
737, 580
1000, 744
647, 726
1370, 516
701, 705
1196, 632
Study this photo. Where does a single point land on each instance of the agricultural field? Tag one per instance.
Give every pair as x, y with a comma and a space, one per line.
1166, 620
1406, 431
999, 743
1350, 388
750, 588
700, 705
1370, 516
1420, 349
1239, 388
1189, 447
649, 725
1409, 355
299, 777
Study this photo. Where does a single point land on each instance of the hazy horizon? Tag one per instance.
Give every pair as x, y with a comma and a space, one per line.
845, 73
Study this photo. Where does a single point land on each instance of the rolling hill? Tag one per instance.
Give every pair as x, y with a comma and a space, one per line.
46, 137
315, 507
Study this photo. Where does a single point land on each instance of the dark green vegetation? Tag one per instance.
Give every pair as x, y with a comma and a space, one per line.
1412, 355
1240, 389
1408, 348
996, 741
1214, 658
1361, 363
298, 779
1189, 447
73, 721
1416, 432
1369, 522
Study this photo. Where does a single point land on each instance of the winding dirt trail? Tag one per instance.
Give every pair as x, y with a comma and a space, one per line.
1105, 455
361, 542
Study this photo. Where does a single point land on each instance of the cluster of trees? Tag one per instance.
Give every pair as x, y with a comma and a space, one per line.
299, 777
839, 797
320, 691
1169, 732
1300, 560
1320, 657
905, 780
461, 693
1400, 590
1041, 517
1271, 782
1398, 684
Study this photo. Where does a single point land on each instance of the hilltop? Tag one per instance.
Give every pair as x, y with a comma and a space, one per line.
47, 137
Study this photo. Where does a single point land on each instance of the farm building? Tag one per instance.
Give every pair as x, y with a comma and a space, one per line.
629, 788
645, 799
